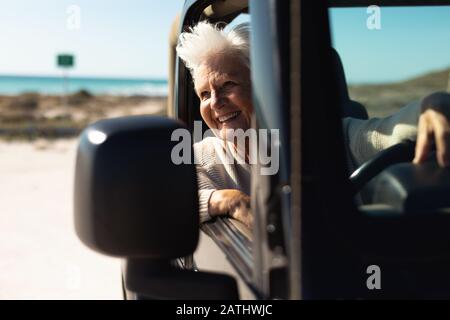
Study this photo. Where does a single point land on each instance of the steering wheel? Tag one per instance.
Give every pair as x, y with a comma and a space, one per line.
401, 152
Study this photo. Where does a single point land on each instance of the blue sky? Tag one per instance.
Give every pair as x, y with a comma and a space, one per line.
411, 42
124, 38
120, 38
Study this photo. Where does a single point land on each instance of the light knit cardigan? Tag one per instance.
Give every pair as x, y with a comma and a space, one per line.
364, 139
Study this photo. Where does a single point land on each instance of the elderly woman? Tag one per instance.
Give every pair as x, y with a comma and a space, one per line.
220, 66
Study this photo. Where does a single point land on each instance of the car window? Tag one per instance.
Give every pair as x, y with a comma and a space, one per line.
241, 18
392, 55
231, 236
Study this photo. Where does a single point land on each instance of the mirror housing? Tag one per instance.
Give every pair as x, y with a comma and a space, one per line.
130, 199
156, 280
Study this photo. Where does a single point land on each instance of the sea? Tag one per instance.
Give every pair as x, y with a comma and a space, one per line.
14, 85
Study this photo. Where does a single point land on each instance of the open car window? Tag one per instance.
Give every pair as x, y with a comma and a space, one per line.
233, 237
387, 59
392, 55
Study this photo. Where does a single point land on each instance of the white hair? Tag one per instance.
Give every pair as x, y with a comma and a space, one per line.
206, 39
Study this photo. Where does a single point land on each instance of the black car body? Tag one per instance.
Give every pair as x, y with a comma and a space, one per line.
310, 240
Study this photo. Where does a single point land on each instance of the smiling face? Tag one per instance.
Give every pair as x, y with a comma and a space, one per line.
223, 85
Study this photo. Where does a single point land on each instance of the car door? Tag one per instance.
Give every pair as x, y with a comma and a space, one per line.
240, 246
291, 248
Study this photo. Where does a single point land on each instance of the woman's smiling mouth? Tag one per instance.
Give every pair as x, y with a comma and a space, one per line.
229, 117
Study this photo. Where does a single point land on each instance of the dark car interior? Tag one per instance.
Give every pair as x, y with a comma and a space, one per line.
389, 186
349, 107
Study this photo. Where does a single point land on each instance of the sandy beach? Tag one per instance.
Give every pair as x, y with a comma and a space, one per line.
40, 254
41, 257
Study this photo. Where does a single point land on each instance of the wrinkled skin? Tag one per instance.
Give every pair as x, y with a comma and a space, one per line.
223, 86
231, 202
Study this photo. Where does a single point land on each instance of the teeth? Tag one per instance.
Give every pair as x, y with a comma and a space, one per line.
228, 117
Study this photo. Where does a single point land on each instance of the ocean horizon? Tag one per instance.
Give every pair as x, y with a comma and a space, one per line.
51, 85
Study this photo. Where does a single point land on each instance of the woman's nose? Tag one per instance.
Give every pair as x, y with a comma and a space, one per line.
217, 101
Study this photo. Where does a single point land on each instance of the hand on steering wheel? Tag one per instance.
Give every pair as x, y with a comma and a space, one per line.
401, 152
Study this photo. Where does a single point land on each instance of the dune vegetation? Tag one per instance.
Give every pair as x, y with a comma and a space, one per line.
31, 115
382, 100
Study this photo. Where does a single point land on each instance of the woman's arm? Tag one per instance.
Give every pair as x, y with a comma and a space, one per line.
424, 121
233, 203
226, 202
365, 138
215, 199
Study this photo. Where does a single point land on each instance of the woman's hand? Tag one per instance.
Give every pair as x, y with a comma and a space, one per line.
434, 125
233, 203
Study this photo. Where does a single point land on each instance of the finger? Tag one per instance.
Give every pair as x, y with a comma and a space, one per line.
249, 219
246, 217
442, 139
423, 144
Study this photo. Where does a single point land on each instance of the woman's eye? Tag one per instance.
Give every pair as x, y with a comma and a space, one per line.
205, 95
229, 84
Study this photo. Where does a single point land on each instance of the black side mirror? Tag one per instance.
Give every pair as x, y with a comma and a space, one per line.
131, 200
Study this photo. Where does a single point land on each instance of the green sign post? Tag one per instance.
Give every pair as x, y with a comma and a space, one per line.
65, 61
